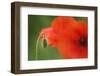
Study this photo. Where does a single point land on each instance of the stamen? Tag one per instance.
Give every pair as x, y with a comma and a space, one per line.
83, 42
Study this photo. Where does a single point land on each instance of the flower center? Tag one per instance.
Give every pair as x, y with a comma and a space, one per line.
83, 42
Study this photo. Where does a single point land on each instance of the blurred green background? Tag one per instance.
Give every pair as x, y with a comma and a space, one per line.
35, 24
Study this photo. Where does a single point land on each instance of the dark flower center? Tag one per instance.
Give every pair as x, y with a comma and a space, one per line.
83, 42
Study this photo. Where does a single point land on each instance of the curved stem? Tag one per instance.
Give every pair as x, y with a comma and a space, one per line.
37, 43
36, 57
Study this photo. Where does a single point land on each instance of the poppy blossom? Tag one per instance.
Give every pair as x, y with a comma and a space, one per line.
68, 35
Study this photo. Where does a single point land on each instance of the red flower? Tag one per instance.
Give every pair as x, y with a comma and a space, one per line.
69, 36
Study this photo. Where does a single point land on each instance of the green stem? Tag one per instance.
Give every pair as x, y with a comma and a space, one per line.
37, 42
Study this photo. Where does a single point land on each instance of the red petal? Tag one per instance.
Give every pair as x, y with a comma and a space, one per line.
73, 51
64, 34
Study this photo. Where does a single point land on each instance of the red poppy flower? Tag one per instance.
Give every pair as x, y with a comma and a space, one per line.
69, 36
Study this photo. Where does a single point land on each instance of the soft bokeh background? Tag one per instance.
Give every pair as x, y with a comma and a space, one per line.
35, 24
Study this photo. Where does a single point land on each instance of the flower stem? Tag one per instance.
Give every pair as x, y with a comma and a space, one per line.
37, 42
